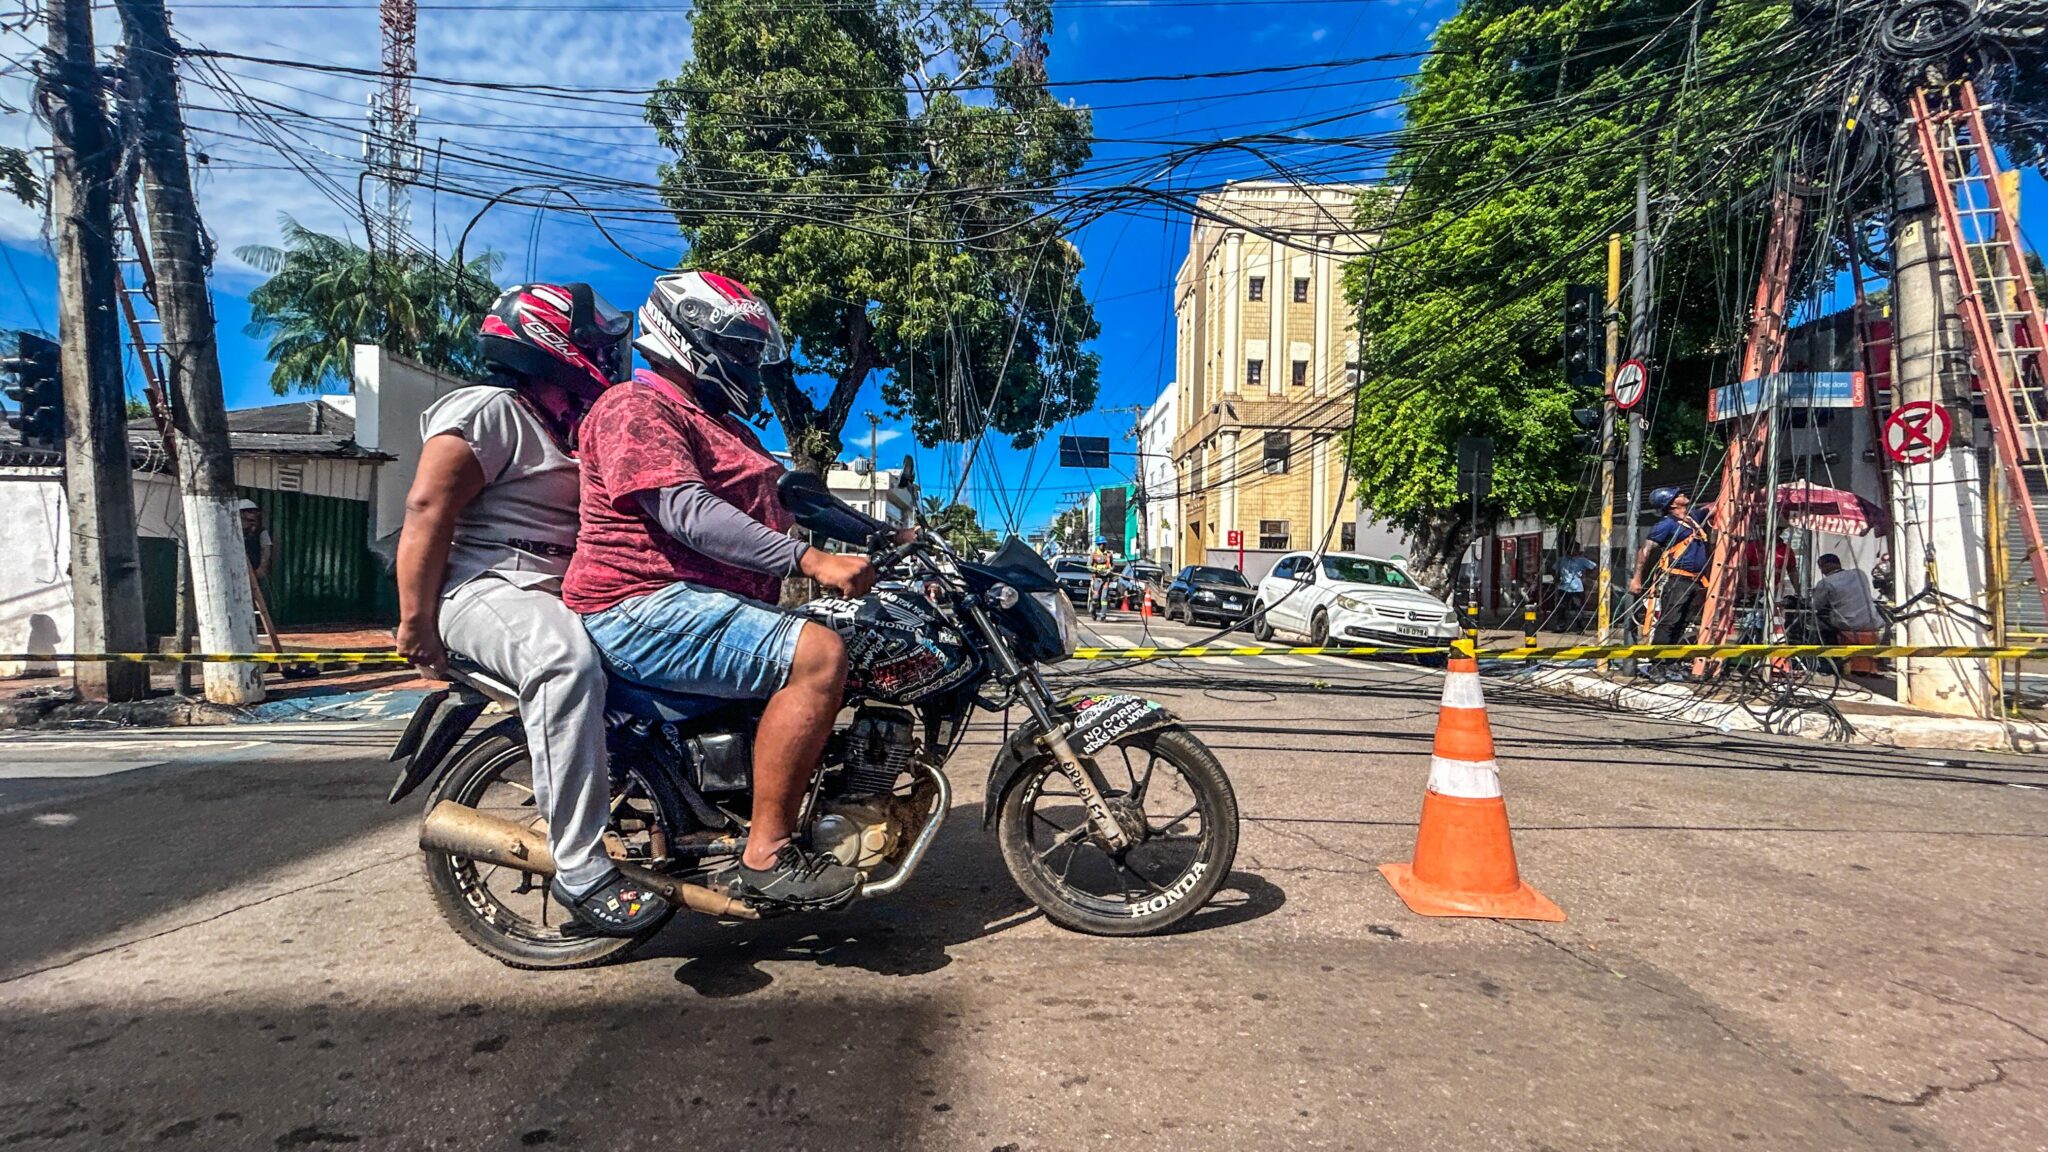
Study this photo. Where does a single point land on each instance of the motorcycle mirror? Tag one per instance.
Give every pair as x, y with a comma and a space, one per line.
908, 476
805, 496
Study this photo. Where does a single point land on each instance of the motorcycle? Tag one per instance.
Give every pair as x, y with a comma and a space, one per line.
1111, 816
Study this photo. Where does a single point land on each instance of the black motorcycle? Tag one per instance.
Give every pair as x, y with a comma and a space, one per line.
1110, 815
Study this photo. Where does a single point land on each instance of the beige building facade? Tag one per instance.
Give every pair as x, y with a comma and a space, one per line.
1267, 365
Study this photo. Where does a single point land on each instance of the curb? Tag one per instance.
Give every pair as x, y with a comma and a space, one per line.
1904, 730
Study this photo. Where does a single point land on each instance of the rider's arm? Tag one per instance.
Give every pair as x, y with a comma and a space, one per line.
712, 527
448, 478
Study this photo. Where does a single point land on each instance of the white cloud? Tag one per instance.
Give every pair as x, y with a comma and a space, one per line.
486, 140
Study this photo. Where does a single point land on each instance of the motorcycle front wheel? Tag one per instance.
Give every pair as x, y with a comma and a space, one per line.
1164, 780
504, 913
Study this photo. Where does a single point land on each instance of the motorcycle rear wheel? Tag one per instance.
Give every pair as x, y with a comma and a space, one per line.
1191, 823
506, 914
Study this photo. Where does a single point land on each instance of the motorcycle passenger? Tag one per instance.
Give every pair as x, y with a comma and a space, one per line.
1101, 568
490, 525
682, 554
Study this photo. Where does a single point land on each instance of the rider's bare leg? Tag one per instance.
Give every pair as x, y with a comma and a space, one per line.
791, 738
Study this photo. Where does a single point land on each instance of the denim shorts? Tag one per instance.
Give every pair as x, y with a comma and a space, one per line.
696, 640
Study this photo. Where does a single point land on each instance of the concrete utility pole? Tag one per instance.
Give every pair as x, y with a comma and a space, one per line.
1604, 613
106, 568
206, 469
1640, 332
1938, 515
874, 461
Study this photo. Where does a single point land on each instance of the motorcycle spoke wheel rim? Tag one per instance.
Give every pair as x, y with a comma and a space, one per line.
1160, 870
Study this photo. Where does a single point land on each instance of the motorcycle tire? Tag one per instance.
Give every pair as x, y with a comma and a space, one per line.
464, 891
1095, 915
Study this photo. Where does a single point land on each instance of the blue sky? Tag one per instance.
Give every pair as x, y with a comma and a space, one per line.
1131, 257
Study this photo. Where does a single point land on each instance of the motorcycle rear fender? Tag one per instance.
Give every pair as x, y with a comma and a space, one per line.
436, 727
1094, 722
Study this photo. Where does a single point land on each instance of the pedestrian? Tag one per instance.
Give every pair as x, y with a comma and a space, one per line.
1101, 567
1842, 602
256, 539
1787, 582
1679, 543
1572, 570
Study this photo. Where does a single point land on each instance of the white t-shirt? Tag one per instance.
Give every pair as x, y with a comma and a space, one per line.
1842, 598
522, 526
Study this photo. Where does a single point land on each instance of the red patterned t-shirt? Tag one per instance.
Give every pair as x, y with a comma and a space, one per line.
643, 437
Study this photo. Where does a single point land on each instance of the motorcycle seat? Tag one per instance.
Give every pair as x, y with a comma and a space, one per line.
641, 702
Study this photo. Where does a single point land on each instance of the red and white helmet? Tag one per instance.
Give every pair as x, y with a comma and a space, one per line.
564, 334
715, 329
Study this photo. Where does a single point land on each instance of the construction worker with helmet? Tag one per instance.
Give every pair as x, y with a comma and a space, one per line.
1682, 548
1101, 567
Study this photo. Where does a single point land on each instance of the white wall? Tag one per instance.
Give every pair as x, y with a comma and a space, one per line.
35, 587
1157, 429
390, 394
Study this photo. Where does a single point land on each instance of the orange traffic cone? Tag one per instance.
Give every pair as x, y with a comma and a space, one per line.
1464, 854
1145, 608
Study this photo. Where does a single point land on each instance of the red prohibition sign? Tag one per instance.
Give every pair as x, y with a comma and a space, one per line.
1917, 432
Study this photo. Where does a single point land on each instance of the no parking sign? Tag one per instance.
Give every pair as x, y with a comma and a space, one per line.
1917, 433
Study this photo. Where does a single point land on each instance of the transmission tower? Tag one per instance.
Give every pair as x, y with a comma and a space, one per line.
391, 147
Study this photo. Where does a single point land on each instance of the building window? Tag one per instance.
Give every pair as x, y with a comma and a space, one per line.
1347, 536
1301, 289
1254, 371
1258, 288
1276, 453
1301, 373
1273, 535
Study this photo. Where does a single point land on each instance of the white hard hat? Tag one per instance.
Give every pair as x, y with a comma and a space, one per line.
248, 506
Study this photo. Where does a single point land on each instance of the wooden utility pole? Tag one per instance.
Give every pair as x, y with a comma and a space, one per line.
206, 469
1604, 612
106, 570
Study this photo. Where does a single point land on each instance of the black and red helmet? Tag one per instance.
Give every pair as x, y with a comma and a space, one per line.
565, 334
717, 330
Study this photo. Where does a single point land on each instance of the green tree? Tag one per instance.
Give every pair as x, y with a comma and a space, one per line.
325, 295
877, 170
19, 177
1070, 528
1524, 135
960, 526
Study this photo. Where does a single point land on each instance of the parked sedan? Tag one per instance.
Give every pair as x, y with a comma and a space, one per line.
1346, 598
1202, 593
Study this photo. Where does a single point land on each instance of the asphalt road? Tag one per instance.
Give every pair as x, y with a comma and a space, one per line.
221, 939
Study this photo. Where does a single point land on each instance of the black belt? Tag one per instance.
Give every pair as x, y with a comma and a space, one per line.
538, 547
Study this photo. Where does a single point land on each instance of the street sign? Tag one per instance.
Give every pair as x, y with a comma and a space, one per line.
1084, 452
1917, 432
1786, 389
1233, 539
1631, 380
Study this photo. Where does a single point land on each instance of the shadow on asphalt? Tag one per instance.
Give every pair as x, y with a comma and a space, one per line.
962, 893
172, 837
498, 1072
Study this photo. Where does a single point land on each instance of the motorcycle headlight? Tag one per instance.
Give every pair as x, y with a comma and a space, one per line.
1002, 595
1354, 604
1062, 612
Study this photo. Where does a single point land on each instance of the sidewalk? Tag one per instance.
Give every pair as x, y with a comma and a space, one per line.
340, 693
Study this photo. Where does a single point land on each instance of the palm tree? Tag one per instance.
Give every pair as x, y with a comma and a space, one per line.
325, 295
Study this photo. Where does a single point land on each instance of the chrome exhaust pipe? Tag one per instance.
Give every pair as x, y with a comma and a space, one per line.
463, 831
942, 803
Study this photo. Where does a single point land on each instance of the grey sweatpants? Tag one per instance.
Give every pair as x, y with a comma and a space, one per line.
529, 639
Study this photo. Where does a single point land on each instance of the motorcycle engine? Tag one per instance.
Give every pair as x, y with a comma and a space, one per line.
863, 825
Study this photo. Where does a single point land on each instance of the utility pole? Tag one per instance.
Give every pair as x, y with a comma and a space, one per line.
1640, 330
106, 568
874, 459
206, 469
1605, 612
1938, 534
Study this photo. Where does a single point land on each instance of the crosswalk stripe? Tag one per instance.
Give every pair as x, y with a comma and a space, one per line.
1286, 661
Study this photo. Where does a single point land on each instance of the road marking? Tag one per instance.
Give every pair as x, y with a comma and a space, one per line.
72, 769
1286, 661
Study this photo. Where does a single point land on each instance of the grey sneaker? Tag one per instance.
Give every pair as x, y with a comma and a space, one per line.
797, 879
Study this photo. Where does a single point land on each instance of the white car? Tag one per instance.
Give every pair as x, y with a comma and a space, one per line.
1346, 598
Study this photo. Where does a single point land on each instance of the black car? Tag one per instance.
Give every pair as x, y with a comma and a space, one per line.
1074, 579
1204, 593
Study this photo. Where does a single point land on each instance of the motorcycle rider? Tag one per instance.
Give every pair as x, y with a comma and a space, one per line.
683, 550
490, 524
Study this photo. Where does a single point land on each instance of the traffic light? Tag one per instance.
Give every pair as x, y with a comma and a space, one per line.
1585, 355
35, 386
1587, 439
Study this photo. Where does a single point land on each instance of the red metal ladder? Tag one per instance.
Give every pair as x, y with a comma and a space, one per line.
1998, 305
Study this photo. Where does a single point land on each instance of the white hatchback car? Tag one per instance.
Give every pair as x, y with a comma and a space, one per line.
1346, 598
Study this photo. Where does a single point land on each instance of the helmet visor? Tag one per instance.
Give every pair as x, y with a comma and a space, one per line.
608, 340
748, 323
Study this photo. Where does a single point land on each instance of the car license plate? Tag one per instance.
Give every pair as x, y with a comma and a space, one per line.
1410, 630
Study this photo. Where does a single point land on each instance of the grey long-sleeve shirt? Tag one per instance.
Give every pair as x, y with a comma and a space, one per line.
714, 528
